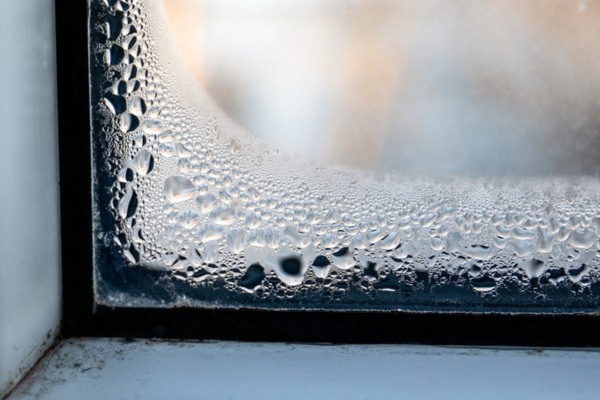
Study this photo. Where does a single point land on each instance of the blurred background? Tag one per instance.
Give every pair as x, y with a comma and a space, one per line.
497, 87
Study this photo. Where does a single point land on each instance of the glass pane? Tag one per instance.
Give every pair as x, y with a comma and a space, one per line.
327, 154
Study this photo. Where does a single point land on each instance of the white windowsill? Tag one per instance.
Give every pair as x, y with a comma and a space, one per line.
118, 369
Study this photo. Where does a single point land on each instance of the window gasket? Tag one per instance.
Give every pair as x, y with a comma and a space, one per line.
82, 316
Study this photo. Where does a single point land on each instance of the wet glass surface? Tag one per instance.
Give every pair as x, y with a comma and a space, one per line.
447, 155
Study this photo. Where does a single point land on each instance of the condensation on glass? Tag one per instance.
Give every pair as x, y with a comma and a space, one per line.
192, 210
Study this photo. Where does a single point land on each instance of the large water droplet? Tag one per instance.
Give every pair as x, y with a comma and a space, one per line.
321, 267
143, 162
152, 127
116, 104
545, 241
483, 284
252, 278
114, 25
189, 219
128, 203
178, 189
236, 241
534, 268
115, 54
223, 215
391, 241
301, 240
234, 146
575, 274
343, 258
209, 232
290, 268
207, 202
582, 239
522, 248
480, 252
127, 122
137, 105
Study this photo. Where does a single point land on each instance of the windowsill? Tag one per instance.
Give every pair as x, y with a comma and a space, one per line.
121, 369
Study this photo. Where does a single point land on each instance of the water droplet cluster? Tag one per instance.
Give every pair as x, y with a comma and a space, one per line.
234, 222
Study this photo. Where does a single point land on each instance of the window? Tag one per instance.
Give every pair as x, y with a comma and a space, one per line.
194, 219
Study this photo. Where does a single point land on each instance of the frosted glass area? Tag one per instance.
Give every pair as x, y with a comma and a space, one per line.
193, 210
495, 87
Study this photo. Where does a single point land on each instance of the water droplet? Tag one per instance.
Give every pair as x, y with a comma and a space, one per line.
483, 284
575, 274
200, 275
115, 55
114, 25
343, 258
556, 275
545, 241
252, 278
370, 272
166, 150
582, 239
223, 215
128, 203
129, 42
479, 252
133, 85
522, 234
206, 203
127, 122
189, 219
178, 189
119, 87
137, 106
502, 231
183, 151
321, 267
300, 240
391, 241
143, 162
165, 137
389, 283
131, 254
116, 104
130, 72
376, 235
236, 241
522, 248
209, 232
234, 146
534, 268
125, 175
290, 268
152, 127
437, 243
453, 242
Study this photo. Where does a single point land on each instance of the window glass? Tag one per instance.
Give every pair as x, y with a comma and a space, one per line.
372, 155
